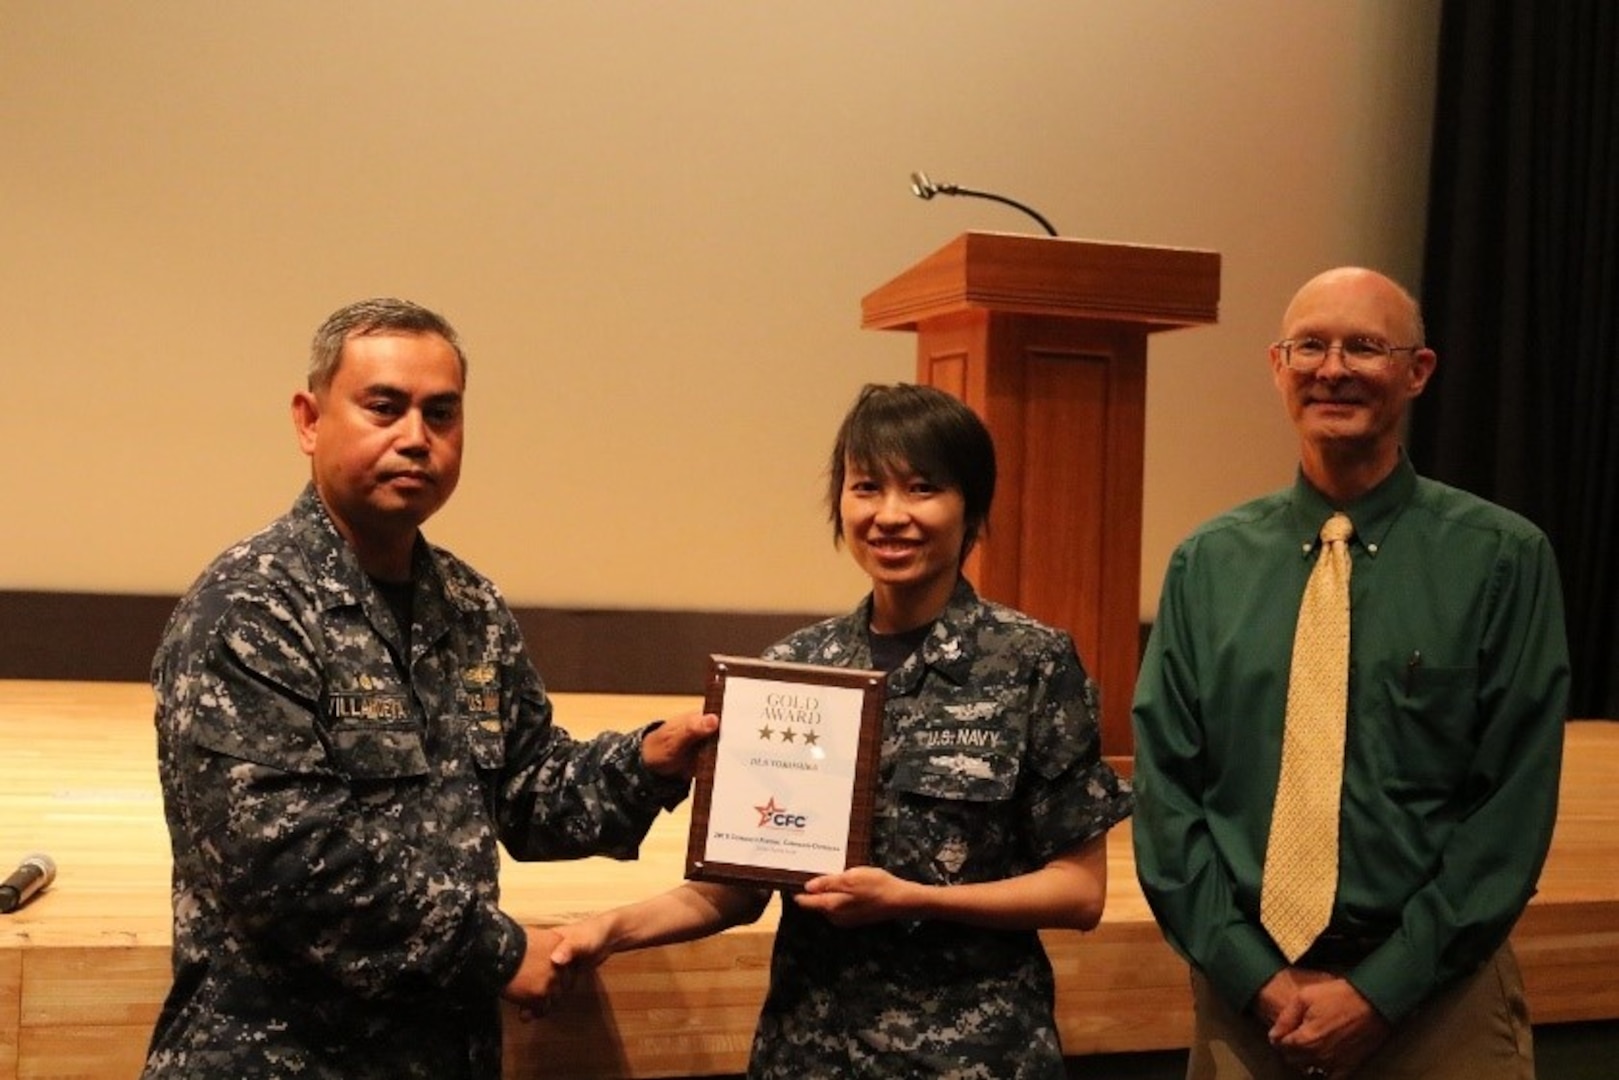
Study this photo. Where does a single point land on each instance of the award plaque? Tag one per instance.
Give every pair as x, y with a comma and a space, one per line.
787, 790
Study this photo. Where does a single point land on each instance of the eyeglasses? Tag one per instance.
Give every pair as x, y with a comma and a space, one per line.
1362, 354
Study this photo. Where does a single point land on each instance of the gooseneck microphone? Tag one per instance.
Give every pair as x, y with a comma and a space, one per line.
923, 188
32, 874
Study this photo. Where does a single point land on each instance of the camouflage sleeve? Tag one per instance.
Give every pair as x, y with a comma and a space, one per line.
562, 798
312, 866
1072, 795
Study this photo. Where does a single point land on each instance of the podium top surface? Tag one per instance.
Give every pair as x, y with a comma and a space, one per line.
1158, 287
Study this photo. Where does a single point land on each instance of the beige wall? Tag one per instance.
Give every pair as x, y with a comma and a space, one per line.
653, 223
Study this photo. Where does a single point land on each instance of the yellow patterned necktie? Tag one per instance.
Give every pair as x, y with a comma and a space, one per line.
1301, 856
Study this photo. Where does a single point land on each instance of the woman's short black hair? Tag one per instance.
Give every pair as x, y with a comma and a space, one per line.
921, 429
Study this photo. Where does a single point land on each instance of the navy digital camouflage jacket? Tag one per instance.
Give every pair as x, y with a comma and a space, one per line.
990, 766
334, 806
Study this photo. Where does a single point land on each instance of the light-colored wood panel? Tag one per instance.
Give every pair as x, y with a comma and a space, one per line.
94, 986
72, 1052
1568, 951
1119, 988
10, 1008
680, 1011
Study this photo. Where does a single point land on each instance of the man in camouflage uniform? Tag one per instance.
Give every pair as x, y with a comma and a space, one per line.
990, 766
347, 723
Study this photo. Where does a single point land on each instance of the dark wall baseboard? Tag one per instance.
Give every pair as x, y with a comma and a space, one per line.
644, 652
105, 637
92, 636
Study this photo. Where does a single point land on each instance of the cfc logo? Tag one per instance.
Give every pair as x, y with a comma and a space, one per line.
772, 816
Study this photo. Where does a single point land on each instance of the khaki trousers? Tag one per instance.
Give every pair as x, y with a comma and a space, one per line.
1477, 1029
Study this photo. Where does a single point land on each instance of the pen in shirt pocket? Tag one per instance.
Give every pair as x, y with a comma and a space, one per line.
1411, 667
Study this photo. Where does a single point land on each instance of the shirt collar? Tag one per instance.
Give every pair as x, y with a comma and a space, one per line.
946, 649
341, 579
1373, 514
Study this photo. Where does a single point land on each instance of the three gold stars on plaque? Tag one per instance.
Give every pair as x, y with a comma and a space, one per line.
788, 735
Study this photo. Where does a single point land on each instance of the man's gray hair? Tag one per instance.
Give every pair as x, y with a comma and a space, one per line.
382, 315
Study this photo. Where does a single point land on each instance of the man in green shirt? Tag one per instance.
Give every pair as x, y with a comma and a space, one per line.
1457, 694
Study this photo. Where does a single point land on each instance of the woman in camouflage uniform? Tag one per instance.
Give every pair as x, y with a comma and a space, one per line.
993, 802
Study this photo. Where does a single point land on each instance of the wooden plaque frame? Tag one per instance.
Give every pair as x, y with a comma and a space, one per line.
872, 686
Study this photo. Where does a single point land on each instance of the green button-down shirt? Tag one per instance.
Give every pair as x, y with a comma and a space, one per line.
1457, 697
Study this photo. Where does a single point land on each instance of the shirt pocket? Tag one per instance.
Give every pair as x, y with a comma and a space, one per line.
1431, 740
951, 816
370, 751
487, 745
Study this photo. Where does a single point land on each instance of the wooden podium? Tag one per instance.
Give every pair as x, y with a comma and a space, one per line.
1046, 339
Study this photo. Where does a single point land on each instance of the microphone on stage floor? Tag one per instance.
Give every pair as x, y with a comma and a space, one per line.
923, 188
34, 873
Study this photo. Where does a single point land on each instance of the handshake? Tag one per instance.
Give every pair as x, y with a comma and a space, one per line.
552, 964
557, 955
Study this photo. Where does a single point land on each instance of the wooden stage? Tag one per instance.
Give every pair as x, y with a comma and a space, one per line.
84, 967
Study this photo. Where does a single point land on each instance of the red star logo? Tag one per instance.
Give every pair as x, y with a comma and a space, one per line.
768, 809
